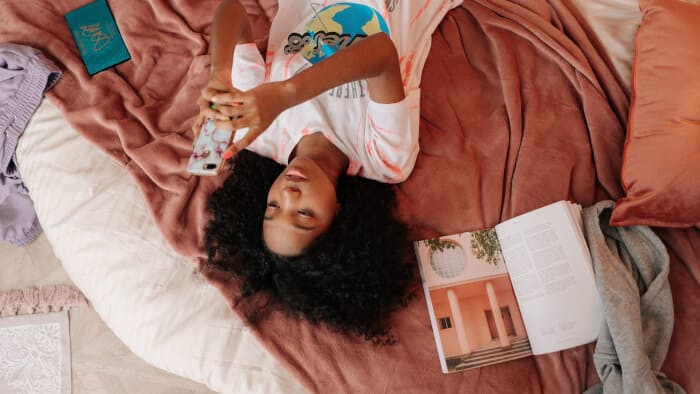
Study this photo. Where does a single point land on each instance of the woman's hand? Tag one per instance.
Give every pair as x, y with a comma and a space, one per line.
218, 84
229, 27
255, 109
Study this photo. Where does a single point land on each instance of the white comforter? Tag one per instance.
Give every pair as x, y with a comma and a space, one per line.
156, 302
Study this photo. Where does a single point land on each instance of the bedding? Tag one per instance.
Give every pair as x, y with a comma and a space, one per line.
506, 97
636, 302
661, 165
145, 105
493, 167
96, 219
615, 23
25, 74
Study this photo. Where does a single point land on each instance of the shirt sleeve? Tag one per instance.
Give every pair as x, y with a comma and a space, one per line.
392, 143
248, 69
413, 23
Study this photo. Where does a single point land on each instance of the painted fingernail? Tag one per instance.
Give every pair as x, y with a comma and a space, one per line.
228, 155
212, 106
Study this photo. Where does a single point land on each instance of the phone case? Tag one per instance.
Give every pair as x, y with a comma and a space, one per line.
207, 155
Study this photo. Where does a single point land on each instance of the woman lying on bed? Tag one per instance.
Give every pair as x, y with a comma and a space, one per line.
321, 129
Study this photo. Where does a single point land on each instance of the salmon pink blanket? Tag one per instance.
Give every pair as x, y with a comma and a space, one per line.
520, 108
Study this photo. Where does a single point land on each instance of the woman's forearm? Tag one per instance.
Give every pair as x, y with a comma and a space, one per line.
374, 58
230, 27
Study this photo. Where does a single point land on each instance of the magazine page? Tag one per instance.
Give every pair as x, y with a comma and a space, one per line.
475, 317
552, 275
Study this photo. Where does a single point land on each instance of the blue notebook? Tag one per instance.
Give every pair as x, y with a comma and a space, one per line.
97, 36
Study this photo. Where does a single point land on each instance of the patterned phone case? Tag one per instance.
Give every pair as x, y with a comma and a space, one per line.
207, 155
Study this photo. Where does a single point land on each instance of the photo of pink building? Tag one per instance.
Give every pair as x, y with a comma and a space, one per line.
476, 316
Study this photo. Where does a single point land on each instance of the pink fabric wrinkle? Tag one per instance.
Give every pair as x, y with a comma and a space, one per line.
379, 128
353, 167
406, 67
268, 63
396, 171
420, 12
287, 64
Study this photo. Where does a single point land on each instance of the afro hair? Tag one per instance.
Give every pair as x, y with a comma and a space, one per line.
351, 278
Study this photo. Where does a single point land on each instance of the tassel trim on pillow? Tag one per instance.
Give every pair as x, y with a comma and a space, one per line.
40, 300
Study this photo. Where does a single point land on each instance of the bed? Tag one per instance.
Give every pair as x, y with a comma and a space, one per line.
157, 302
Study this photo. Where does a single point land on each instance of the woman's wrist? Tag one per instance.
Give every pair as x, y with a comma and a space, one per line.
290, 93
221, 74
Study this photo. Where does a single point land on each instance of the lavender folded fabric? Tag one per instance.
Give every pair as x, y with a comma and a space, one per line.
25, 75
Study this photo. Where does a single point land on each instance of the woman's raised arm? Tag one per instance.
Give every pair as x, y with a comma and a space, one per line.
229, 27
374, 58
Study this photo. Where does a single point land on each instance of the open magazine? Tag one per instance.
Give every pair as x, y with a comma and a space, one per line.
524, 287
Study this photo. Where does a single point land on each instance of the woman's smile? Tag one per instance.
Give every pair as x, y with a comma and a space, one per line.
294, 178
296, 172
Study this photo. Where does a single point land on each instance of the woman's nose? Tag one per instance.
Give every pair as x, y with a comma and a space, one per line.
291, 191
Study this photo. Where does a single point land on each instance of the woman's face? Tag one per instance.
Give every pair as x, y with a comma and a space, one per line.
301, 205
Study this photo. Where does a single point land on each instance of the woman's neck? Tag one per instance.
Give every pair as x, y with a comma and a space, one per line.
319, 149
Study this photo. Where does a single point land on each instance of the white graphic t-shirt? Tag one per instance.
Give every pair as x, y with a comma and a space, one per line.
380, 140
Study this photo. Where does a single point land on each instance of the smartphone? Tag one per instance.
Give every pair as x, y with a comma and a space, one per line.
207, 154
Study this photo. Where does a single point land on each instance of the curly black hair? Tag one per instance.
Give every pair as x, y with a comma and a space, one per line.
350, 279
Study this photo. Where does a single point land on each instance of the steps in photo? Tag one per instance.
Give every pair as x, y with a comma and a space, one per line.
519, 348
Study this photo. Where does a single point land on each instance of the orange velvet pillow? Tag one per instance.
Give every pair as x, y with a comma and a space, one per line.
661, 163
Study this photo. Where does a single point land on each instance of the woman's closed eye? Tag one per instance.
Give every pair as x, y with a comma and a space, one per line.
305, 213
301, 212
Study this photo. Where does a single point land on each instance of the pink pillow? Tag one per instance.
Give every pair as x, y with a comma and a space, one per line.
661, 163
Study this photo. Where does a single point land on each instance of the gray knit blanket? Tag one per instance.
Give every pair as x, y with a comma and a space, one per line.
631, 269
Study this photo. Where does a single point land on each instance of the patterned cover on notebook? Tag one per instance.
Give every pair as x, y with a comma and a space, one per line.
96, 34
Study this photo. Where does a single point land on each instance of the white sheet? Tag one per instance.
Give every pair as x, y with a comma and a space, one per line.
155, 301
615, 23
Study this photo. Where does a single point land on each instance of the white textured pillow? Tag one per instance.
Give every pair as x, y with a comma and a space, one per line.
155, 301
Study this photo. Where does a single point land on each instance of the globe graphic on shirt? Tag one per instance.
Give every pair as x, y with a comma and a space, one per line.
338, 26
